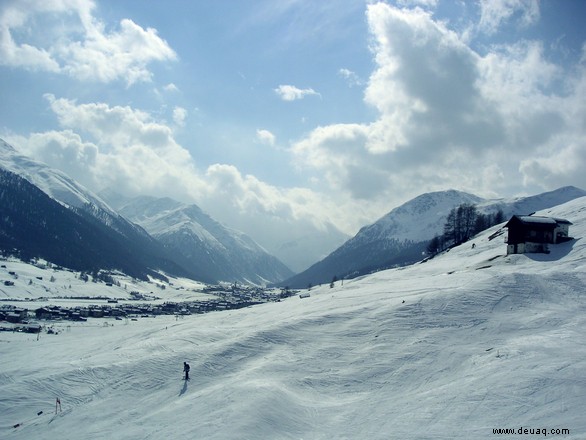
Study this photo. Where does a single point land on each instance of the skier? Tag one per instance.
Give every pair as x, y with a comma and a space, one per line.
186, 370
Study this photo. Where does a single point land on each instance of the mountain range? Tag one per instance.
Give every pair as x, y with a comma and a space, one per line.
94, 236
223, 253
401, 236
148, 236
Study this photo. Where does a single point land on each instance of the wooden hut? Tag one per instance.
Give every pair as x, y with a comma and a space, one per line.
527, 233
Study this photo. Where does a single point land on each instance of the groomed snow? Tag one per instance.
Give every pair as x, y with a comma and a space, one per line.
470, 341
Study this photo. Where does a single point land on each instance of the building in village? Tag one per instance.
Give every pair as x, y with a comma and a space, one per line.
15, 314
527, 233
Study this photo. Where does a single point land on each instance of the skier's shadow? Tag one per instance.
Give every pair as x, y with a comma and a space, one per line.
184, 389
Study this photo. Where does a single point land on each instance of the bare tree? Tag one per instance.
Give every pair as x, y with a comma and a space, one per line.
460, 224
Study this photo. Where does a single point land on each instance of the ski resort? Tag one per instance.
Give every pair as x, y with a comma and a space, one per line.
292, 220
466, 344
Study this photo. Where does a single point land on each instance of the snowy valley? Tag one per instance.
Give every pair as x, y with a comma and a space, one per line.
467, 343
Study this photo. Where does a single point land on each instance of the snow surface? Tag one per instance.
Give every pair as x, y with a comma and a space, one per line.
470, 341
59, 285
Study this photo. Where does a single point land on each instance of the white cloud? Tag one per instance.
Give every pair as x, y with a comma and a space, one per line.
67, 38
331, 150
554, 166
351, 77
449, 117
128, 149
266, 137
265, 211
14, 15
493, 13
171, 88
62, 149
292, 93
179, 116
424, 3
134, 152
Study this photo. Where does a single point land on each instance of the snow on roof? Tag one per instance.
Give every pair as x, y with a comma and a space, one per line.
542, 220
532, 219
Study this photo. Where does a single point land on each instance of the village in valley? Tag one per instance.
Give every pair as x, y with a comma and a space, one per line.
105, 296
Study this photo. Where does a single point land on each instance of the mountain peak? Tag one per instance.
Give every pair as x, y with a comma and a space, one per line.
420, 218
53, 182
6, 147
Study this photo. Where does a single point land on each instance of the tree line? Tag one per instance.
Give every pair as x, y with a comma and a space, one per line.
461, 224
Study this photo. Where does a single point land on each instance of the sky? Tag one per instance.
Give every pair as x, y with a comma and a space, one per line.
275, 117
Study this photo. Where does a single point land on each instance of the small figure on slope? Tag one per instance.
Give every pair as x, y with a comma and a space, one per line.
186, 370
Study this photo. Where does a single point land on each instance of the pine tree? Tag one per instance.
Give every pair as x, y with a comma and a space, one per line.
434, 245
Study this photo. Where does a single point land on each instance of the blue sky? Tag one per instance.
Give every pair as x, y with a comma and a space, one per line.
296, 113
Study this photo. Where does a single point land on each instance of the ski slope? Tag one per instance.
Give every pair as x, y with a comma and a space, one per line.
470, 341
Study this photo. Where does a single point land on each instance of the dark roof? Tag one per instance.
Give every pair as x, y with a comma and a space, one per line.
537, 220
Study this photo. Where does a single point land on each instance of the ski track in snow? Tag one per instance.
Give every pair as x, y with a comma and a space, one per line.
449, 349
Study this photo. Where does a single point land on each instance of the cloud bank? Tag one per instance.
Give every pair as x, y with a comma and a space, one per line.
81, 47
119, 147
449, 116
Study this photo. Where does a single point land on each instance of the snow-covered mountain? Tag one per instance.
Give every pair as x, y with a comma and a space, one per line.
224, 253
121, 245
54, 183
418, 219
401, 236
530, 204
65, 190
473, 344
191, 242
34, 225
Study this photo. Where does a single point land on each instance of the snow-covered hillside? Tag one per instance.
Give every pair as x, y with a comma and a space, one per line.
424, 217
401, 236
44, 283
454, 348
418, 219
